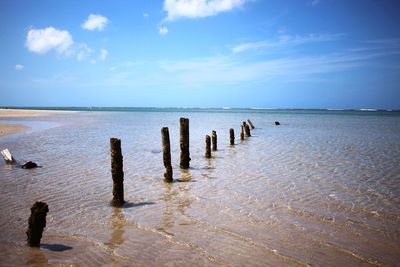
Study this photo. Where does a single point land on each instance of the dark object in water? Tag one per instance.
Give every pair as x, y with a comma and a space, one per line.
29, 165
184, 143
166, 154
37, 222
232, 136
277, 123
251, 124
247, 130
208, 147
117, 172
214, 140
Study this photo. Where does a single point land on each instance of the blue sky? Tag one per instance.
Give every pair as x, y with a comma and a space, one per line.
201, 53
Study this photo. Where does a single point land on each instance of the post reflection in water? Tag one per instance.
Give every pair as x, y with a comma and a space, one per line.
36, 257
177, 199
118, 223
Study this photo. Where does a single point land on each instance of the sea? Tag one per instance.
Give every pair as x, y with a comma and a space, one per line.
320, 189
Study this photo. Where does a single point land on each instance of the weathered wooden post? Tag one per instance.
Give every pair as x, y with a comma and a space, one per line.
166, 154
241, 132
117, 172
247, 130
251, 124
36, 224
244, 124
232, 136
184, 143
214, 140
208, 147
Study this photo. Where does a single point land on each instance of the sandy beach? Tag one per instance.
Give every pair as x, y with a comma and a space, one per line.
8, 128
11, 128
18, 113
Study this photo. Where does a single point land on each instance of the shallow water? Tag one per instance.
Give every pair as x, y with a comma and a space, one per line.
321, 189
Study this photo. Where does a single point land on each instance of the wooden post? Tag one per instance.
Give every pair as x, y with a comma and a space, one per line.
244, 124
36, 224
117, 172
184, 143
214, 140
247, 130
241, 132
208, 147
232, 136
251, 124
166, 154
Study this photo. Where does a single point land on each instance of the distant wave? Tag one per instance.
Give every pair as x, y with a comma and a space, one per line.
367, 109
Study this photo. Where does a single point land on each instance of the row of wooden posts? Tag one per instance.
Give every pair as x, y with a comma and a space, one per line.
117, 164
37, 219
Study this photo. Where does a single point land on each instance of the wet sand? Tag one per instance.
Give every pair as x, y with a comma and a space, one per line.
7, 128
311, 192
11, 128
18, 113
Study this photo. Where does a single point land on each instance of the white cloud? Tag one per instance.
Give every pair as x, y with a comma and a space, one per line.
103, 54
42, 41
83, 52
19, 67
95, 22
146, 15
93, 61
286, 40
163, 30
198, 8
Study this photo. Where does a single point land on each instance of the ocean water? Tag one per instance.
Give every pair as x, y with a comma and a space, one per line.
322, 189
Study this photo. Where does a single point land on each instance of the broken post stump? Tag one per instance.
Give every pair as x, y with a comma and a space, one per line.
277, 123
251, 124
117, 172
241, 132
214, 140
247, 130
232, 136
208, 147
36, 223
29, 165
166, 154
184, 143
8, 158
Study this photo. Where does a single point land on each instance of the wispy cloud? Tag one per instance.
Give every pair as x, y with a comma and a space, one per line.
95, 22
103, 54
177, 9
314, 2
163, 30
44, 40
393, 42
84, 52
19, 67
235, 70
287, 40
239, 71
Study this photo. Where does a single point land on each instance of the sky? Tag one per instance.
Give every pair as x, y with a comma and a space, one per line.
200, 53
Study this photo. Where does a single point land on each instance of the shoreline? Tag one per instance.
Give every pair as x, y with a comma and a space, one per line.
13, 128
19, 113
